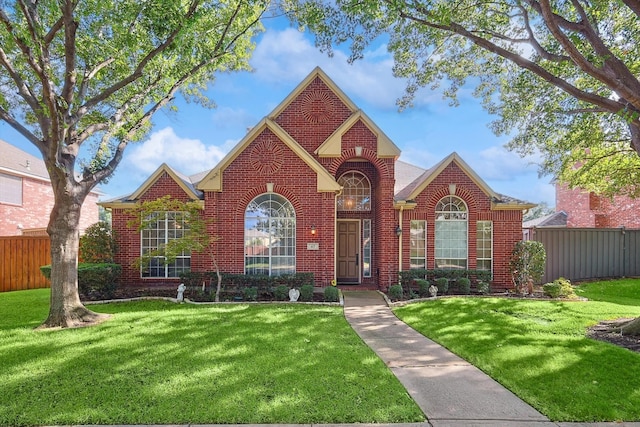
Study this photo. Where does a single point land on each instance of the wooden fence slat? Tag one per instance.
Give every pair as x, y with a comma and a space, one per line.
21, 258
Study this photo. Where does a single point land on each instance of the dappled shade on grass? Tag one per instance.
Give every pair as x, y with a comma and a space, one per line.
538, 349
160, 363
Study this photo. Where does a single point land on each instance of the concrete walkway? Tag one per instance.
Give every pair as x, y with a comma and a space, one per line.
449, 390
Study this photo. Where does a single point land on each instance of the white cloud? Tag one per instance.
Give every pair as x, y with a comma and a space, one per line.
497, 163
288, 56
225, 117
187, 156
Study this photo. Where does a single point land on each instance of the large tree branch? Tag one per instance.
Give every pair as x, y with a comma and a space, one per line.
634, 5
8, 118
70, 27
544, 54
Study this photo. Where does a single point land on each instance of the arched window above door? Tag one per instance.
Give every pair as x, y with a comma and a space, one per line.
356, 193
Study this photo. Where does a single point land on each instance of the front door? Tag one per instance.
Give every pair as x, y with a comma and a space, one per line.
348, 254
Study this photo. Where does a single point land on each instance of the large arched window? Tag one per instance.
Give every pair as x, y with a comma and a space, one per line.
451, 235
356, 193
270, 236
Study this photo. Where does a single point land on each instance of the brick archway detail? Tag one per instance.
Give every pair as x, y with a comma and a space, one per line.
241, 207
461, 192
367, 154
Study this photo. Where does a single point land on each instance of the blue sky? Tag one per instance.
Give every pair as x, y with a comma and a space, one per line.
194, 139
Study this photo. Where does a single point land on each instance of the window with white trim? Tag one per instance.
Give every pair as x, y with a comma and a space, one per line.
356, 192
164, 227
418, 252
10, 189
270, 236
366, 247
451, 233
484, 245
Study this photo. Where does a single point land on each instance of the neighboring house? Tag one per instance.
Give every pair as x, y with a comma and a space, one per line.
26, 196
588, 210
316, 187
556, 219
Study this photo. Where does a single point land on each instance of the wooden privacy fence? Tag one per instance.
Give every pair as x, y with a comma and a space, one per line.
589, 253
20, 261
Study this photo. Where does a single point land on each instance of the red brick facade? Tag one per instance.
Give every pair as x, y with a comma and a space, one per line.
300, 152
585, 209
31, 217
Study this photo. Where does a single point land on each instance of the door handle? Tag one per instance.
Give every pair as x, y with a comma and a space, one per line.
357, 258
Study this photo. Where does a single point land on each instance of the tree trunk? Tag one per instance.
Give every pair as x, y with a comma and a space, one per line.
631, 328
66, 310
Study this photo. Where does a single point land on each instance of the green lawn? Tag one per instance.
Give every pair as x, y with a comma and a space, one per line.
538, 349
157, 362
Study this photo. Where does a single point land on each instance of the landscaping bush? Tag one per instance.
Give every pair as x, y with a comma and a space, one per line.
250, 293
442, 284
559, 288
281, 293
484, 288
95, 281
526, 265
423, 287
551, 289
331, 294
463, 285
306, 293
395, 292
98, 244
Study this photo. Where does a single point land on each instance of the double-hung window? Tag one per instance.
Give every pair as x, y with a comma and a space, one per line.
162, 228
451, 233
484, 245
418, 255
10, 189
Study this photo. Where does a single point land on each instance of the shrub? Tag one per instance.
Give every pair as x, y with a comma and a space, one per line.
484, 288
423, 287
559, 288
443, 285
527, 265
250, 293
463, 285
281, 293
98, 243
331, 294
95, 281
306, 293
395, 292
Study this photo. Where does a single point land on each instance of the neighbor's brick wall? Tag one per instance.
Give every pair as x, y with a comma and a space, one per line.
586, 209
37, 202
507, 225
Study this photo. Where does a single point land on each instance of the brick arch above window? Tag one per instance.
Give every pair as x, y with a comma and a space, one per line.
370, 155
256, 191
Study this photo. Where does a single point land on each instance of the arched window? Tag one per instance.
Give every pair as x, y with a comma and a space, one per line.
356, 193
270, 236
451, 234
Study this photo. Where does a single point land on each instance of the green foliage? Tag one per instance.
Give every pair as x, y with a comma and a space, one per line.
95, 280
281, 293
559, 82
250, 293
98, 243
559, 288
526, 264
306, 293
463, 285
442, 283
484, 288
423, 287
395, 292
407, 276
331, 294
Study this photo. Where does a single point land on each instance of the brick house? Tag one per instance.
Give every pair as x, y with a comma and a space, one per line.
26, 196
316, 187
587, 210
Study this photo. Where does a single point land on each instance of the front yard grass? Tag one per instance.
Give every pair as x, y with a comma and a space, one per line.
157, 362
538, 349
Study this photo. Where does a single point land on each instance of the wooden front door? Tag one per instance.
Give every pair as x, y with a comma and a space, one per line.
348, 255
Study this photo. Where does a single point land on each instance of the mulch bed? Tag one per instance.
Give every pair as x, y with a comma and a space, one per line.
603, 332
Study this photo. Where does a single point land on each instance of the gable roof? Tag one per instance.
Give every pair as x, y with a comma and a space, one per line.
556, 219
498, 201
332, 146
18, 162
212, 181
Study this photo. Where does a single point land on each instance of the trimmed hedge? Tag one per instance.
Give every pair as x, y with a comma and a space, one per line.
97, 281
412, 280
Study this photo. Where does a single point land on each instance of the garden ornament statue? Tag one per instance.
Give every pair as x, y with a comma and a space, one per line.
433, 290
294, 294
181, 288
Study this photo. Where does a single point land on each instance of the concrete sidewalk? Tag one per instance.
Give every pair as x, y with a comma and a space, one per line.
449, 390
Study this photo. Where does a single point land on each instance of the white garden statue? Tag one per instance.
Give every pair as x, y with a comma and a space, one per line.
294, 294
181, 289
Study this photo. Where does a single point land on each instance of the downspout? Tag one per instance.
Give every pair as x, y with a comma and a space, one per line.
400, 240
335, 233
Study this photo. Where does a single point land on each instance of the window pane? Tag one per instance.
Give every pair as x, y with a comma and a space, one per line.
10, 189
451, 239
356, 193
270, 236
366, 247
162, 228
484, 243
418, 241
